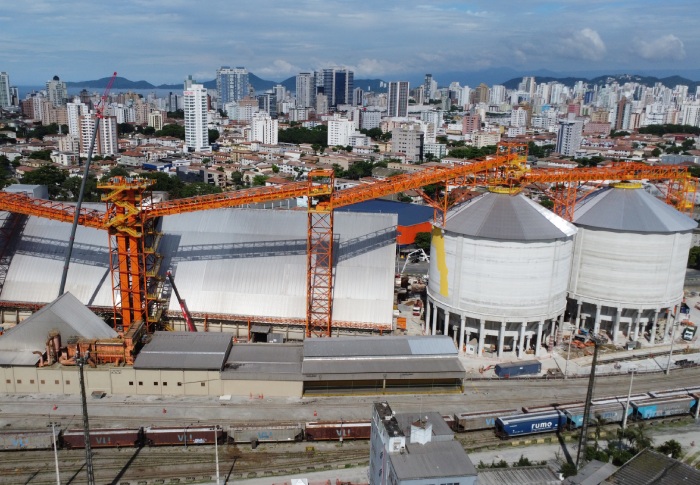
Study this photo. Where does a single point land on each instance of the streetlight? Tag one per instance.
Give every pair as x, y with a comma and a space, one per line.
629, 395
55, 451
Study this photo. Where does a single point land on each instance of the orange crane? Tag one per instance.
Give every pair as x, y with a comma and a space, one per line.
130, 221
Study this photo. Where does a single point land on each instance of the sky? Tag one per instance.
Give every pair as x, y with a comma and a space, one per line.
163, 41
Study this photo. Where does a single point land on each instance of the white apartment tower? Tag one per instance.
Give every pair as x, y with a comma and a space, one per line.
263, 129
231, 84
75, 110
195, 103
106, 142
56, 91
5, 98
397, 98
569, 137
339, 131
306, 90
155, 119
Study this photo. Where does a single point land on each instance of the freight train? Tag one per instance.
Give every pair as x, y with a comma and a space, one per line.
507, 423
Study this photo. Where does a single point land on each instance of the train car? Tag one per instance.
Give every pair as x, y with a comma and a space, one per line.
27, 440
539, 409
609, 413
515, 369
633, 397
103, 438
480, 419
265, 434
337, 430
658, 408
526, 424
188, 435
669, 393
449, 420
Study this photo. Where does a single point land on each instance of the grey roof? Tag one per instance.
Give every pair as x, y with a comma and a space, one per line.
253, 262
185, 350
508, 218
518, 476
630, 210
592, 474
66, 315
437, 459
653, 468
264, 361
436, 345
441, 431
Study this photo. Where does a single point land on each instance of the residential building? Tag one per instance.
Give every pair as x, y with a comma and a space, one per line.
471, 124
339, 131
398, 98
75, 110
263, 129
56, 91
415, 449
155, 119
569, 137
306, 90
408, 138
481, 93
267, 102
231, 84
195, 103
482, 140
106, 141
338, 86
370, 118
518, 117
5, 97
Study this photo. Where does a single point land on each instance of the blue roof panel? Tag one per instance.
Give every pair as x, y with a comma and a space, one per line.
409, 214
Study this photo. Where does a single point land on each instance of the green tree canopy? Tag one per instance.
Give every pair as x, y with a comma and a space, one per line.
47, 175
423, 240
199, 188
298, 135
660, 130
213, 136
472, 152
259, 180
175, 131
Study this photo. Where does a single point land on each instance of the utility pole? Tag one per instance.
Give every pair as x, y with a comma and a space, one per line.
597, 341
629, 395
216, 448
55, 452
80, 360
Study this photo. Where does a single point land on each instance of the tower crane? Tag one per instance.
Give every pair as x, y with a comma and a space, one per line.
130, 218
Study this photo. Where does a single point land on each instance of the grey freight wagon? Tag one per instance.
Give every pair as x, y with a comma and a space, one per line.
515, 369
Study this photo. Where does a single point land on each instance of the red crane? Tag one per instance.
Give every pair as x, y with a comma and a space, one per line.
183, 304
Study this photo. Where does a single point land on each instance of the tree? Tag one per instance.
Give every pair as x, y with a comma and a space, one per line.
401, 197
213, 136
523, 461
176, 131
672, 448
275, 168
423, 240
47, 175
199, 188
694, 257
41, 155
71, 189
259, 180
237, 179
124, 128
547, 203
149, 130
656, 152
568, 470
165, 183
115, 172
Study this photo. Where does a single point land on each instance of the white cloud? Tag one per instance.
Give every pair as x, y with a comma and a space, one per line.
583, 44
666, 47
279, 67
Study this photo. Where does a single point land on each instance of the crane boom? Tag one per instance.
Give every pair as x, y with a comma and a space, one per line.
183, 304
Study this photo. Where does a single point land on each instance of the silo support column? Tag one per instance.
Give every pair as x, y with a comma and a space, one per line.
577, 322
652, 338
521, 344
501, 337
482, 331
596, 322
427, 317
539, 337
616, 325
446, 323
434, 319
462, 319
636, 325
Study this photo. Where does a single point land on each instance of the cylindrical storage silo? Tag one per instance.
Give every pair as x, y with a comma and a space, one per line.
499, 270
630, 257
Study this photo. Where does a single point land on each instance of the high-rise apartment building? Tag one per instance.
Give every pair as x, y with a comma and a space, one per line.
155, 119
471, 124
56, 91
195, 104
397, 98
428, 87
482, 93
106, 142
408, 138
231, 84
306, 90
338, 85
75, 110
339, 131
569, 137
263, 129
5, 98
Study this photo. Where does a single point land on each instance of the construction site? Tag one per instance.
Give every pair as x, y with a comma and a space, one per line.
254, 295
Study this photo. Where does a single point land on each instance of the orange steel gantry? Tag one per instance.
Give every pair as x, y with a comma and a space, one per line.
131, 215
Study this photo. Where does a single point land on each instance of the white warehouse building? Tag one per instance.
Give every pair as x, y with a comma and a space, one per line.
498, 274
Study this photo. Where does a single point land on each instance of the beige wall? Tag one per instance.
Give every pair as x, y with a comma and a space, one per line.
127, 380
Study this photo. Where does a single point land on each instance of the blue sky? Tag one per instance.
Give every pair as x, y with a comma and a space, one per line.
164, 41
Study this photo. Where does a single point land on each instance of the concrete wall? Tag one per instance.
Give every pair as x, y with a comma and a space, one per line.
128, 381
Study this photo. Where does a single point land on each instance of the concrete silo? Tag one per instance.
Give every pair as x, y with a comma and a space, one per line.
630, 257
498, 274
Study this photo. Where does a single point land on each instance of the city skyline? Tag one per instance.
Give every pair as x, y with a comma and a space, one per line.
163, 42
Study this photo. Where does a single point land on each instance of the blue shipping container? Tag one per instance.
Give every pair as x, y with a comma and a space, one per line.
514, 369
523, 424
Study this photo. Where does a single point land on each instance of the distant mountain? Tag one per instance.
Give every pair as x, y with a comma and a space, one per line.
669, 82
119, 83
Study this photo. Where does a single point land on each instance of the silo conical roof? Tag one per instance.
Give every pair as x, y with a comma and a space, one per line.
630, 210
509, 218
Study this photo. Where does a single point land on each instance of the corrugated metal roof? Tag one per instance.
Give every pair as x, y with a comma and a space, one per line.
253, 262
518, 476
508, 218
447, 368
409, 214
18, 358
630, 210
438, 345
269, 361
65, 314
184, 350
653, 468
433, 460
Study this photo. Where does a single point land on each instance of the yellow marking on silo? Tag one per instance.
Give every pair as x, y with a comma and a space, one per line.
439, 243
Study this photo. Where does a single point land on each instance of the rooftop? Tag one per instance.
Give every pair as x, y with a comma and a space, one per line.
653, 468
437, 459
185, 350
